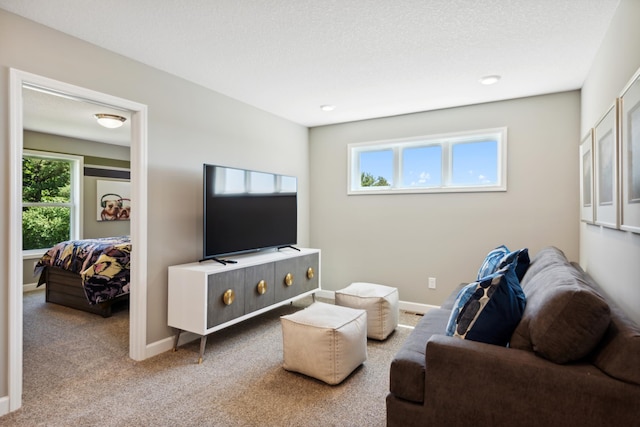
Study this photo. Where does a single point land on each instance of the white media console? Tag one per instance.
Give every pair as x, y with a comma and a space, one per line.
207, 296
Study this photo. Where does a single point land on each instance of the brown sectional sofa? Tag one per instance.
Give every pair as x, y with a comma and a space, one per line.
573, 360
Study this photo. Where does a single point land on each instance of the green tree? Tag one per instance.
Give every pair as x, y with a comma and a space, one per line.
45, 181
43, 227
367, 180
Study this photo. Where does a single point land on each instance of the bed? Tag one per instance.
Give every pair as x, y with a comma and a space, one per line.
89, 275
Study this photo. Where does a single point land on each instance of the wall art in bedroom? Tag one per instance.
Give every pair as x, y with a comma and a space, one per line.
113, 200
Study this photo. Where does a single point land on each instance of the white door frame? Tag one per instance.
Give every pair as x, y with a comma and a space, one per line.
138, 295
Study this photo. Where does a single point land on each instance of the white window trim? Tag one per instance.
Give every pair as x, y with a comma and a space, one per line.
77, 175
353, 180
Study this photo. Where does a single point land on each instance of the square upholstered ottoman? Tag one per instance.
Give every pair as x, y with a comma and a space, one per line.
324, 341
380, 302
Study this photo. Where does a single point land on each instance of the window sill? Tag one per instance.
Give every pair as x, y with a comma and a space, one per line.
33, 254
387, 190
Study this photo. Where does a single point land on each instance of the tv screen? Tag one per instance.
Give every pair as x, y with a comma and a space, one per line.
247, 210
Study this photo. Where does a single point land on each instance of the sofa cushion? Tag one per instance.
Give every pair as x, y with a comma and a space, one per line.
564, 318
618, 353
407, 373
544, 258
488, 310
491, 261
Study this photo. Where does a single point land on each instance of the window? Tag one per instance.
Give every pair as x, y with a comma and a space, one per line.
470, 161
51, 188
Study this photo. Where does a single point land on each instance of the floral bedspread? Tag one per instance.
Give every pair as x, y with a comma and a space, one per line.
102, 263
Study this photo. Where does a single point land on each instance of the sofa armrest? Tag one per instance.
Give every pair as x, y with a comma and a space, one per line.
468, 381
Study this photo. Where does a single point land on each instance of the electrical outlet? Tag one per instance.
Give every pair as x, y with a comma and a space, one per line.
432, 282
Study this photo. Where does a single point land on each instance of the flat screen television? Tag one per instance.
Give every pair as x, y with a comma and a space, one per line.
246, 210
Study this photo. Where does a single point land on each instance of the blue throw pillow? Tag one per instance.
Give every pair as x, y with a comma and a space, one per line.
492, 261
520, 260
464, 295
488, 310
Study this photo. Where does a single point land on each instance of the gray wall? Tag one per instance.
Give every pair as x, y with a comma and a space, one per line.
612, 256
188, 125
401, 240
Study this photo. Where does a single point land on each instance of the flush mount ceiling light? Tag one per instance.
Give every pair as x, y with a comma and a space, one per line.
490, 80
110, 121
327, 107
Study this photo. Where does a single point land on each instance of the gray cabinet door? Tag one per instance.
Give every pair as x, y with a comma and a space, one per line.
219, 311
293, 276
259, 287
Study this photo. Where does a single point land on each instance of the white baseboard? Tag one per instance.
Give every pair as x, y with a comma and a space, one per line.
30, 287
158, 347
4, 405
413, 307
326, 294
166, 344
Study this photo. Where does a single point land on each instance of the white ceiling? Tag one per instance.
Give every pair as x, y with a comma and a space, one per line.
49, 113
369, 58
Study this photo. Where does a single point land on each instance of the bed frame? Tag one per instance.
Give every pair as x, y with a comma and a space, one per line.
65, 288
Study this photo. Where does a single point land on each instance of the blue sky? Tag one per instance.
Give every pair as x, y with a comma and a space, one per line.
473, 164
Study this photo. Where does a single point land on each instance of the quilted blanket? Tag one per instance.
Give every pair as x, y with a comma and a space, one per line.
102, 263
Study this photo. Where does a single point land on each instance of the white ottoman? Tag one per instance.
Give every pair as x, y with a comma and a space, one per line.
324, 341
380, 302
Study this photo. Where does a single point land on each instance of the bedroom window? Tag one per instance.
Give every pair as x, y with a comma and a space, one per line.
51, 188
461, 162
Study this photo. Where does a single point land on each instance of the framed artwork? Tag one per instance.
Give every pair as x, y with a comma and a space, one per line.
587, 207
629, 105
113, 200
605, 152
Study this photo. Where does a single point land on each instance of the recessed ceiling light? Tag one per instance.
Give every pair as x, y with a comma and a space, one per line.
327, 107
110, 121
490, 80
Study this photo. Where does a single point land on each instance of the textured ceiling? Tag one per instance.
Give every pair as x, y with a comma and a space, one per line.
369, 58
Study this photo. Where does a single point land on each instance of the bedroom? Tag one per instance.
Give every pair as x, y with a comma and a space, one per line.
102, 159
76, 252
188, 124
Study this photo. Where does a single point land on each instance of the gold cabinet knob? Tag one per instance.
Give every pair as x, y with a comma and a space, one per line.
310, 273
262, 287
288, 279
228, 297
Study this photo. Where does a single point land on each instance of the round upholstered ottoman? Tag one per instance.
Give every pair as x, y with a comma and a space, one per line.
324, 341
380, 302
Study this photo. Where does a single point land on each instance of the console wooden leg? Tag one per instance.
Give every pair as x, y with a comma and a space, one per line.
175, 340
203, 344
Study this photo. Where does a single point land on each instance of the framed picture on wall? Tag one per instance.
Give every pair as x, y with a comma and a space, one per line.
587, 210
605, 151
629, 105
113, 200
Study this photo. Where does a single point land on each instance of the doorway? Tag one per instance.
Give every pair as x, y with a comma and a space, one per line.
138, 295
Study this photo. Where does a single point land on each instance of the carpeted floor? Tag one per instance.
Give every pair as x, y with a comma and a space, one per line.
77, 373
